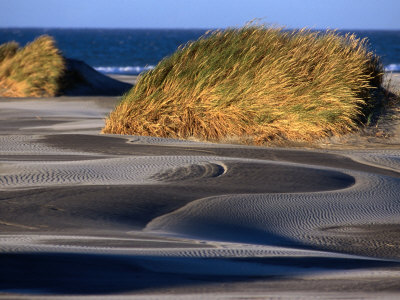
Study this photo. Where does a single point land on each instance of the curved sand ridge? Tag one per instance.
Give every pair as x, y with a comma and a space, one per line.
288, 177
384, 159
147, 246
288, 219
117, 171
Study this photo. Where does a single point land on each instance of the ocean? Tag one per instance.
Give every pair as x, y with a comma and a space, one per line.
131, 51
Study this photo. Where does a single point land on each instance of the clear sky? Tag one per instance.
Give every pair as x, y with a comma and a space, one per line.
317, 14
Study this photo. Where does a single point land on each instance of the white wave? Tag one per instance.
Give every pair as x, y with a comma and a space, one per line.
392, 68
132, 70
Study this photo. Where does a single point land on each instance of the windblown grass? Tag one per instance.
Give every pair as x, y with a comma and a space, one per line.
253, 85
8, 50
32, 71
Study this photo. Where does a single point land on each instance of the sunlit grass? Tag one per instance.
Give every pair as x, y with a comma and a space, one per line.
253, 85
34, 70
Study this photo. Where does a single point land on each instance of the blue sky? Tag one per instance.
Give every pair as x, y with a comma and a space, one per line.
317, 14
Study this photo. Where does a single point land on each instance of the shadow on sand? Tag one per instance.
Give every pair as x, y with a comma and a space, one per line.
70, 274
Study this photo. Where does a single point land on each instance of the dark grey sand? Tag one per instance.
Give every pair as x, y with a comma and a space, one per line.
84, 80
84, 214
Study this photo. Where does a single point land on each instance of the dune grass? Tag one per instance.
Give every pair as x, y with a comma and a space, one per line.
32, 71
8, 50
253, 85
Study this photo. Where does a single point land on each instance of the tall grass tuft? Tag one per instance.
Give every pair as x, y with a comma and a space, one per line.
254, 84
34, 70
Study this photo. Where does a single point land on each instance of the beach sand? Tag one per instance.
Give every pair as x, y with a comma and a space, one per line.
86, 215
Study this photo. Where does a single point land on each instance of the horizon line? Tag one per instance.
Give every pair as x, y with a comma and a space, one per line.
187, 28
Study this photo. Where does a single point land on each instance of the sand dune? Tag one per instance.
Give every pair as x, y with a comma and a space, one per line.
84, 214
85, 81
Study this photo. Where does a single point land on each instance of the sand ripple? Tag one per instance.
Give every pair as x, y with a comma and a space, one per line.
265, 175
204, 170
130, 170
386, 159
287, 219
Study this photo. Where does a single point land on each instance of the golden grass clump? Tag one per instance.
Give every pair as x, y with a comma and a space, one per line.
253, 85
8, 50
32, 71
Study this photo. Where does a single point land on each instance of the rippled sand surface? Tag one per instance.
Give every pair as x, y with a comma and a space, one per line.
85, 215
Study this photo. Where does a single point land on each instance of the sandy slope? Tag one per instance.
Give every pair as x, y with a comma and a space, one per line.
131, 217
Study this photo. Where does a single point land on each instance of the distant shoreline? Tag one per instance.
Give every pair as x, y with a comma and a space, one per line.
131, 79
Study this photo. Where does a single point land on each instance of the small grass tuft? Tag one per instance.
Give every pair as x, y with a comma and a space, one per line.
8, 50
254, 84
32, 71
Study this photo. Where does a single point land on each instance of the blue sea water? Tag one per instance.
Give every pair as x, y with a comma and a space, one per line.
131, 51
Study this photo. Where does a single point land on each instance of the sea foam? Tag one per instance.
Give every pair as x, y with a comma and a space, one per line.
392, 68
127, 70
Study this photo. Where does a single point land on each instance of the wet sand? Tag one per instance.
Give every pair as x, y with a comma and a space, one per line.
125, 217
131, 79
